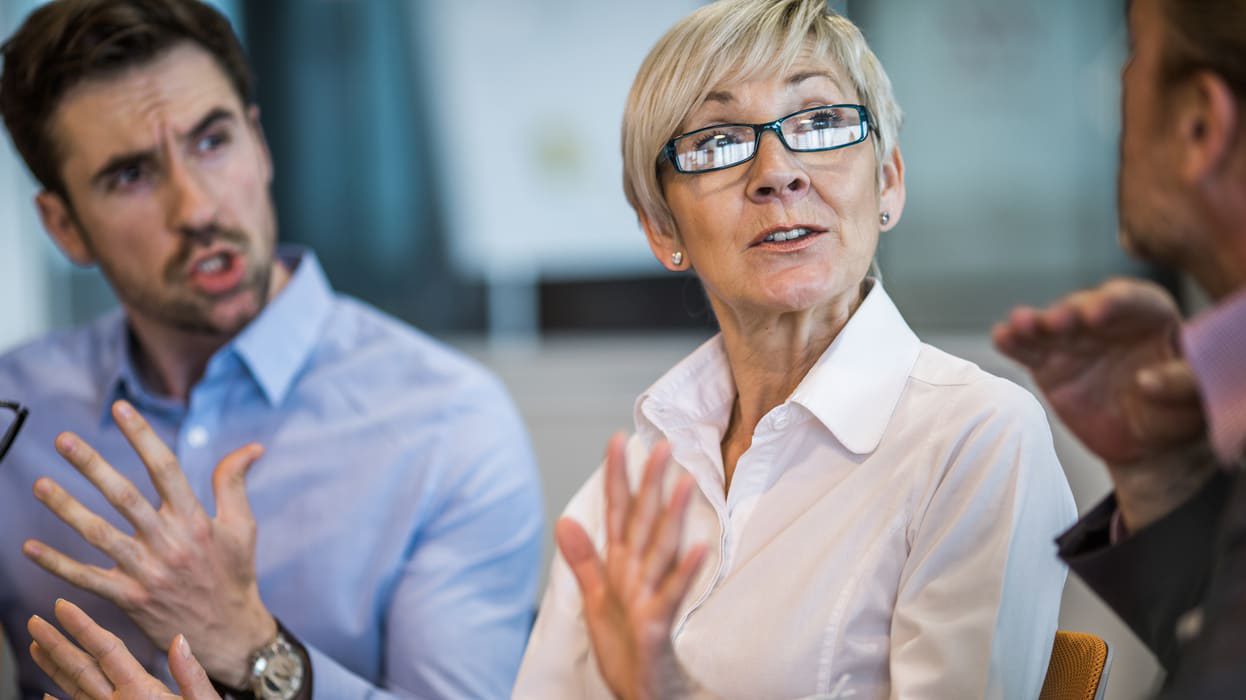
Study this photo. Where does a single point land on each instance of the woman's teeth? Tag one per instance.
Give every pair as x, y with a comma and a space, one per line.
792, 235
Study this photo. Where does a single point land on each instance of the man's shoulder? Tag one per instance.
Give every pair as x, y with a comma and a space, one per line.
71, 356
384, 355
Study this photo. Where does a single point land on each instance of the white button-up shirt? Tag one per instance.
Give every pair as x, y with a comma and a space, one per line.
889, 533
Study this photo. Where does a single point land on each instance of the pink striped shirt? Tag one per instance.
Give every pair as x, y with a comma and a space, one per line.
1214, 342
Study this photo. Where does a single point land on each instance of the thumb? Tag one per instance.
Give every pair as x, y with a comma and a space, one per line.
230, 486
578, 551
191, 679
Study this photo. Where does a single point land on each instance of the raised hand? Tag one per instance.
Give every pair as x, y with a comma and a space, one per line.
631, 598
103, 669
182, 572
1107, 361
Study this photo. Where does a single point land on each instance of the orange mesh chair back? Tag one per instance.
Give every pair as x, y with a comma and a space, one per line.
1078, 669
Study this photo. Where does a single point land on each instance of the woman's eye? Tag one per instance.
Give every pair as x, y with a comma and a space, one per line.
825, 120
715, 140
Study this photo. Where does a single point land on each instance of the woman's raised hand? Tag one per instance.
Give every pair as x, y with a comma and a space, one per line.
630, 598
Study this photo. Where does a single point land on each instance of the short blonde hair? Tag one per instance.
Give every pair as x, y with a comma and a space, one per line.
735, 40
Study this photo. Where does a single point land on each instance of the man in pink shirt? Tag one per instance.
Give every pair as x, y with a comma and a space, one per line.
1163, 402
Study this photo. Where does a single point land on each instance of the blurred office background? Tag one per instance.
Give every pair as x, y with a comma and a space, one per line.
456, 164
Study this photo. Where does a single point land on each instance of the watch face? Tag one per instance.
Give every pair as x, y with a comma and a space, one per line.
277, 673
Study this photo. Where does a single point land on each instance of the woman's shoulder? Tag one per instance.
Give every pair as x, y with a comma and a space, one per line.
953, 386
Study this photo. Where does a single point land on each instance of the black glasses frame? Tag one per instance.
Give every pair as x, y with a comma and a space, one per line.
11, 434
867, 121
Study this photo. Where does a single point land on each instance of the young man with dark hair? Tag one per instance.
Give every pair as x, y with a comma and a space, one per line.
393, 524
1167, 550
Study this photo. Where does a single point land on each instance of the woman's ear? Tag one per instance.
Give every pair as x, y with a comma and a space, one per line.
891, 193
62, 226
666, 246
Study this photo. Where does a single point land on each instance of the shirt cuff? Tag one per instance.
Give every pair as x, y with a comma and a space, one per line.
1117, 532
305, 690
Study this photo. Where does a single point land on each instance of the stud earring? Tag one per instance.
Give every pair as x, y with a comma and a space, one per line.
885, 218
677, 258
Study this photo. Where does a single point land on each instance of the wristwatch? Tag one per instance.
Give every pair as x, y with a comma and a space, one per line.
276, 670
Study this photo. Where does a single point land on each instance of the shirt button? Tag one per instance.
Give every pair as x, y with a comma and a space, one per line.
197, 436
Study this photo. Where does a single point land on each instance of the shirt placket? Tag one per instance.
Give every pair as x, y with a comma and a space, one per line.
733, 513
199, 440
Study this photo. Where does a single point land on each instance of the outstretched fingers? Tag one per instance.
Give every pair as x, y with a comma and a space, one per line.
647, 503
663, 546
675, 588
109, 652
68, 666
118, 490
618, 494
162, 465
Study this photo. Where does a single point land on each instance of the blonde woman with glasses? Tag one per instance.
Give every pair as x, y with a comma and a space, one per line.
814, 503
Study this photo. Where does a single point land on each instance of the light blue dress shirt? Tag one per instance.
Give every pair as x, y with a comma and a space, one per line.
398, 503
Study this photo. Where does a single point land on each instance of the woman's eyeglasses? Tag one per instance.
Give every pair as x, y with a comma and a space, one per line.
12, 415
807, 131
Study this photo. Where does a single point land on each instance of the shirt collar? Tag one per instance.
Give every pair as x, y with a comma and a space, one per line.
273, 347
853, 389
1212, 343
696, 391
276, 345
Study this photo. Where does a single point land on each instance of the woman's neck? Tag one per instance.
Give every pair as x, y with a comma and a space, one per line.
769, 355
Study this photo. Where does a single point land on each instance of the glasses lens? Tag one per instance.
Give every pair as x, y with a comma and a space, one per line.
715, 148
824, 128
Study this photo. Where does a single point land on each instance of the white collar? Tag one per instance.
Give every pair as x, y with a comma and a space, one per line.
853, 389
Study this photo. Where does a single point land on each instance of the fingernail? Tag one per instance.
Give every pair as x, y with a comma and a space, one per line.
31, 549
125, 409
183, 647
66, 444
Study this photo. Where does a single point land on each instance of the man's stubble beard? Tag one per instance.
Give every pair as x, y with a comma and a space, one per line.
183, 310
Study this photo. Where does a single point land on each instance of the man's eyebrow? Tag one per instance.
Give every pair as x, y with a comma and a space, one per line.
214, 117
122, 161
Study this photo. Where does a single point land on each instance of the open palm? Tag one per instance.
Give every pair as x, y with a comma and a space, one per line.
1107, 362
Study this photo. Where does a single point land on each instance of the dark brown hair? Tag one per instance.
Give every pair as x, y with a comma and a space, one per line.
1206, 35
67, 42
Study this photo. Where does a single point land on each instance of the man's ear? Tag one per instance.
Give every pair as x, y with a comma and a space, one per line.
253, 123
62, 225
891, 192
665, 244
1208, 118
